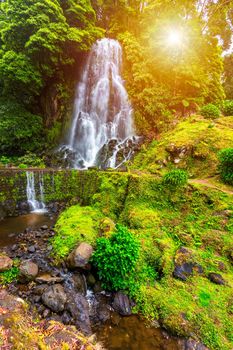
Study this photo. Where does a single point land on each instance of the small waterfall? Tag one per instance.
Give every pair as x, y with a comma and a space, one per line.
36, 205
102, 111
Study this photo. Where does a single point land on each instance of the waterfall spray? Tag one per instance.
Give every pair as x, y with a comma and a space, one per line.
35, 205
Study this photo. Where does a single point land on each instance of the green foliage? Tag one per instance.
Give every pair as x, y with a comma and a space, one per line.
228, 108
54, 134
176, 178
210, 111
31, 160
20, 130
38, 40
115, 258
9, 276
226, 165
4, 160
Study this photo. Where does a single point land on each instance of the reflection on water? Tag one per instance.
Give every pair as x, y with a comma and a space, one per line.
131, 333
10, 227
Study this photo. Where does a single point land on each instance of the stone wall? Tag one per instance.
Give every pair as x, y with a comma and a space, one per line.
65, 186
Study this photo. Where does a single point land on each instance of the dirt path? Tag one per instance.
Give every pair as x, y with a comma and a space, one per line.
206, 183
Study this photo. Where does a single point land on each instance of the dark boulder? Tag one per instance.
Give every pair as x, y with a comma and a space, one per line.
185, 264
216, 278
78, 307
186, 270
122, 304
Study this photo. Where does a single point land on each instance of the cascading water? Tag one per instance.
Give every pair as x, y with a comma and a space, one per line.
35, 205
102, 120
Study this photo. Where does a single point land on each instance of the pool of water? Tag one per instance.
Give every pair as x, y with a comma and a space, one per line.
132, 333
10, 227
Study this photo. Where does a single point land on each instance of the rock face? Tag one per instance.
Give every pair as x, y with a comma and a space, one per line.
216, 278
121, 304
5, 263
80, 256
54, 297
28, 270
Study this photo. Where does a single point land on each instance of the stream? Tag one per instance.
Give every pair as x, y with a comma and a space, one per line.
12, 226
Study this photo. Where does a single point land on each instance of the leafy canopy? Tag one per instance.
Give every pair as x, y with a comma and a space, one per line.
40, 38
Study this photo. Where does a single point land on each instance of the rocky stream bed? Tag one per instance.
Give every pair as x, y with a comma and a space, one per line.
70, 294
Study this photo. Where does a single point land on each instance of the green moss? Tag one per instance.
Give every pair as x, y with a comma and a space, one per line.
201, 139
75, 225
111, 194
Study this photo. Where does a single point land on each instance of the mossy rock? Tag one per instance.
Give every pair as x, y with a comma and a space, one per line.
75, 225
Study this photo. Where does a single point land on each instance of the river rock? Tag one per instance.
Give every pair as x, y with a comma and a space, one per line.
28, 270
216, 278
47, 278
55, 297
6, 263
121, 304
78, 307
32, 249
80, 256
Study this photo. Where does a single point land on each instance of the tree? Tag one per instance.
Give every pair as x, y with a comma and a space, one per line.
40, 38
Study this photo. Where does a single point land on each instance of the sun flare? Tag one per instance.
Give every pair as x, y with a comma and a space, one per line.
174, 38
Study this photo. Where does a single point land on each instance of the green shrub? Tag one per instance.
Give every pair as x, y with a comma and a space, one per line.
31, 160
20, 130
225, 157
22, 166
228, 108
176, 178
210, 111
115, 258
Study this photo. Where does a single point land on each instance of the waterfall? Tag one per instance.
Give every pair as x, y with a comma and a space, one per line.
102, 112
36, 205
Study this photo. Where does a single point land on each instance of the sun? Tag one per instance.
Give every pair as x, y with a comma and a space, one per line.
174, 38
